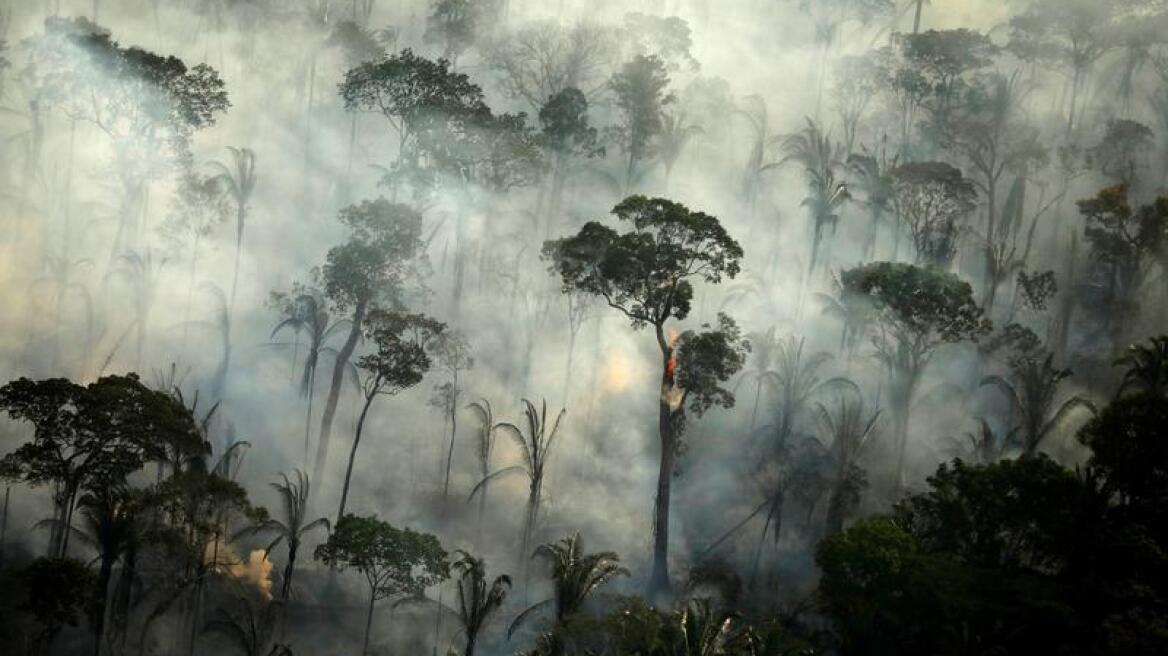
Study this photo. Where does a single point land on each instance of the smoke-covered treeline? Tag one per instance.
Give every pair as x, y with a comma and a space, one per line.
761, 327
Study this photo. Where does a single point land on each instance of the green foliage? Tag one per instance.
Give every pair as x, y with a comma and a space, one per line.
401, 356
645, 272
640, 87
922, 308
706, 360
59, 592
395, 562
380, 258
934, 199
564, 122
1128, 448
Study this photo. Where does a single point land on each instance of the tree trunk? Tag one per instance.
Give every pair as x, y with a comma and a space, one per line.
308, 417
338, 379
453, 432
917, 17
659, 584
470, 644
103, 579
286, 585
353, 456
368, 623
240, 218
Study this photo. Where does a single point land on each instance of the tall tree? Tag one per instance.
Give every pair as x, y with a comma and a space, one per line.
240, 180
934, 199
400, 359
453, 354
534, 446
375, 266
641, 90
647, 274
820, 159
1032, 394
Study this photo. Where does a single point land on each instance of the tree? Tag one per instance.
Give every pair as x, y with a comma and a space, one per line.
945, 59
640, 87
410, 91
1147, 368
645, 274
819, 157
575, 576
452, 351
399, 362
240, 181
850, 427
566, 136
1124, 151
478, 600
375, 265
535, 447
1032, 397
294, 525
542, 58
914, 311
1122, 239
857, 83
306, 310
147, 105
457, 24
934, 199
874, 176
200, 206
1128, 451
1071, 35
486, 443
675, 135
60, 590
394, 562
88, 437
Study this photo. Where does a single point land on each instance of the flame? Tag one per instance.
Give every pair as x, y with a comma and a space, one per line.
670, 393
255, 570
671, 365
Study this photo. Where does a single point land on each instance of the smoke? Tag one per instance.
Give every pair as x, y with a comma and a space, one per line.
71, 310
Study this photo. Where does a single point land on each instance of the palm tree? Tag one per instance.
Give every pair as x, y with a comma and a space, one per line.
763, 347
872, 175
143, 272
850, 427
755, 113
240, 181
814, 151
294, 526
702, 629
478, 600
1032, 398
486, 443
852, 310
984, 446
796, 380
307, 313
535, 448
1147, 368
575, 576
674, 137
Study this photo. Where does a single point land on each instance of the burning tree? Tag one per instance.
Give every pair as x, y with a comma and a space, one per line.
646, 273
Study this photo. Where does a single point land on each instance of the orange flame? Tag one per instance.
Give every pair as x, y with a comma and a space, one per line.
671, 365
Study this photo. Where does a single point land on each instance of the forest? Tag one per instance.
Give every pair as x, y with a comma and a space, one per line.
583, 328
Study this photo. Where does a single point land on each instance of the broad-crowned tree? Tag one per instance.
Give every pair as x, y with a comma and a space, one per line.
641, 90
374, 268
395, 562
934, 200
90, 436
647, 273
914, 311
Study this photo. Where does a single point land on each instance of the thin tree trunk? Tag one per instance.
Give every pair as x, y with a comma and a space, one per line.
286, 586
659, 584
338, 379
368, 622
353, 456
103, 579
308, 417
917, 17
